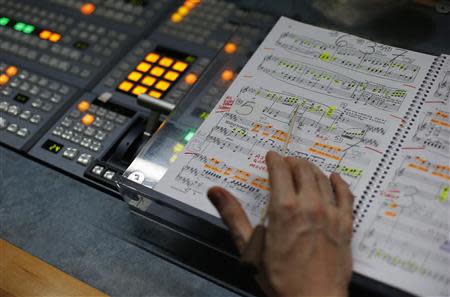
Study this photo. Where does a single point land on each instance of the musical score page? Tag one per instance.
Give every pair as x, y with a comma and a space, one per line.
404, 238
350, 95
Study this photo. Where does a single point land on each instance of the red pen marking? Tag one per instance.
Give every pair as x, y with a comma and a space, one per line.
397, 118
410, 86
377, 151
269, 48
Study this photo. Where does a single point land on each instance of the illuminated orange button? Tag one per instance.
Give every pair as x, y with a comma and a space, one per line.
4, 79
148, 81
125, 86
166, 62
183, 11
230, 48
191, 78
83, 106
143, 67
155, 94
138, 90
227, 75
152, 57
55, 37
87, 8
162, 85
157, 71
189, 5
180, 66
88, 119
171, 75
176, 18
134, 76
11, 71
45, 34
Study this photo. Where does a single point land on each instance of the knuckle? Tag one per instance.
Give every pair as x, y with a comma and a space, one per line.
289, 204
317, 211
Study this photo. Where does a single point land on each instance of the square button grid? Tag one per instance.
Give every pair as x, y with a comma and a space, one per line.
156, 73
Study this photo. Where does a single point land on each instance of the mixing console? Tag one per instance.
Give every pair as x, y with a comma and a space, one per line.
71, 73
53, 51
90, 128
137, 14
73, 50
29, 102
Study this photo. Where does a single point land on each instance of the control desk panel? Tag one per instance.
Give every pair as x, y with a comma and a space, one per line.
72, 74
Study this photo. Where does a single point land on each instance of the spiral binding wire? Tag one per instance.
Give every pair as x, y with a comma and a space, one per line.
383, 167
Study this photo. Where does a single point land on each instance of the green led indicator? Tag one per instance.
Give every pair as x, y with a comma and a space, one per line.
19, 26
28, 29
4, 21
190, 59
189, 135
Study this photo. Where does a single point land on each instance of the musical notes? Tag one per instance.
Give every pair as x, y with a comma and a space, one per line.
333, 84
407, 212
375, 63
433, 132
230, 150
414, 207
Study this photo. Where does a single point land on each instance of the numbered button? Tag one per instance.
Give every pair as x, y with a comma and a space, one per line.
13, 128
70, 153
84, 159
35, 119
23, 132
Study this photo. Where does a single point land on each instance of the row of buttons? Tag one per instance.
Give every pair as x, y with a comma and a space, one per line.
103, 43
121, 11
13, 128
71, 153
102, 171
14, 110
199, 22
35, 85
102, 112
88, 125
34, 15
33, 55
78, 138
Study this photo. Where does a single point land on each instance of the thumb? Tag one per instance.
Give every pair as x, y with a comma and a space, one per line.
233, 216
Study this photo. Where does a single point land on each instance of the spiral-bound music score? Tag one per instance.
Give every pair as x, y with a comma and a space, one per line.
352, 98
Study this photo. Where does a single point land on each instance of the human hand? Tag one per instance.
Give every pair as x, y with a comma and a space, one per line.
307, 245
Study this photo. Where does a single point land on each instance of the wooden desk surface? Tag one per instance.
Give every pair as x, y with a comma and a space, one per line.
22, 274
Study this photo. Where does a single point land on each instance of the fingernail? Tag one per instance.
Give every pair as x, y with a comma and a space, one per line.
272, 154
216, 197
